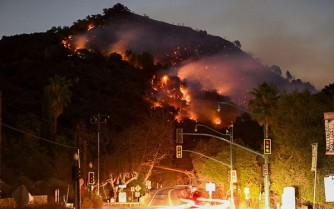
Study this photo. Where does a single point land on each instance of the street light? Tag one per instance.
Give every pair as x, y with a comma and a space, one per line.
231, 156
265, 155
98, 119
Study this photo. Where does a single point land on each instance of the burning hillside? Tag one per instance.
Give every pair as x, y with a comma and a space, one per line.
204, 68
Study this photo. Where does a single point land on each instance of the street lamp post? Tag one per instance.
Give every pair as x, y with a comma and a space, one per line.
98, 119
265, 156
230, 135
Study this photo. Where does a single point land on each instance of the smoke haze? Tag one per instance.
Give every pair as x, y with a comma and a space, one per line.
204, 68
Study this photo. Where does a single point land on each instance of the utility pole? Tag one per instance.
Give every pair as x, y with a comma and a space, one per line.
82, 145
98, 119
76, 176
266, 163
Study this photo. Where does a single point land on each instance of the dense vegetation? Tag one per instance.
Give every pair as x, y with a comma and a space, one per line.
295, 122
50, 94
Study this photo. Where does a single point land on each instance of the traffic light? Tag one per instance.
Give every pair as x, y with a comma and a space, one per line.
91, 177
178, 151
79, 174
76, 175
267, 146
232, 176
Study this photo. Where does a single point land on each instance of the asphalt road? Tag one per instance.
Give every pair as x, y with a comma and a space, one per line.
163, 197
168, 196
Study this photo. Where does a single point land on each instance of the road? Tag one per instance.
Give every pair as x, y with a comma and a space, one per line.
167, 197
161, 198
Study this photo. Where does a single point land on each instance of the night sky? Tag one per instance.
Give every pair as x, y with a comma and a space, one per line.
295, 35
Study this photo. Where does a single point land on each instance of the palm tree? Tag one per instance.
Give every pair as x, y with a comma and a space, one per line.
264, 100
59, 96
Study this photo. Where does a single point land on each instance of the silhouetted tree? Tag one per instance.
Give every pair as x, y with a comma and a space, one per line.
58, 96
237, 43
264, 100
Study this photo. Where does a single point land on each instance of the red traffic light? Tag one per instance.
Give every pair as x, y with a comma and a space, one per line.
267, 146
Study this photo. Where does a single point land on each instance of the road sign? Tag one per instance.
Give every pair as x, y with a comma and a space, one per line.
122, 197
122, 186
314, 156
137, 194
210, 187
148, 184
137, 188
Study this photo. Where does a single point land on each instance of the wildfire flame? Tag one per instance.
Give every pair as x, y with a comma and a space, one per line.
90, 26
75, 43
171, 91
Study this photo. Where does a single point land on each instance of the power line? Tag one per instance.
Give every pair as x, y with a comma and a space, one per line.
52, 142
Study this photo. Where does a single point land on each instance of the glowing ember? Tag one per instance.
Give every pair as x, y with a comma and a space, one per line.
217, 121
90, 26
164, 80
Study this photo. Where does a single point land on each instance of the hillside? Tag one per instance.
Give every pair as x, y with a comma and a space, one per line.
192, 59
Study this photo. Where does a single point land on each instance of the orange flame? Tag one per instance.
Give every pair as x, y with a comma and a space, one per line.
90, 26
216, 120
164, 80
79, 42
185, 93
